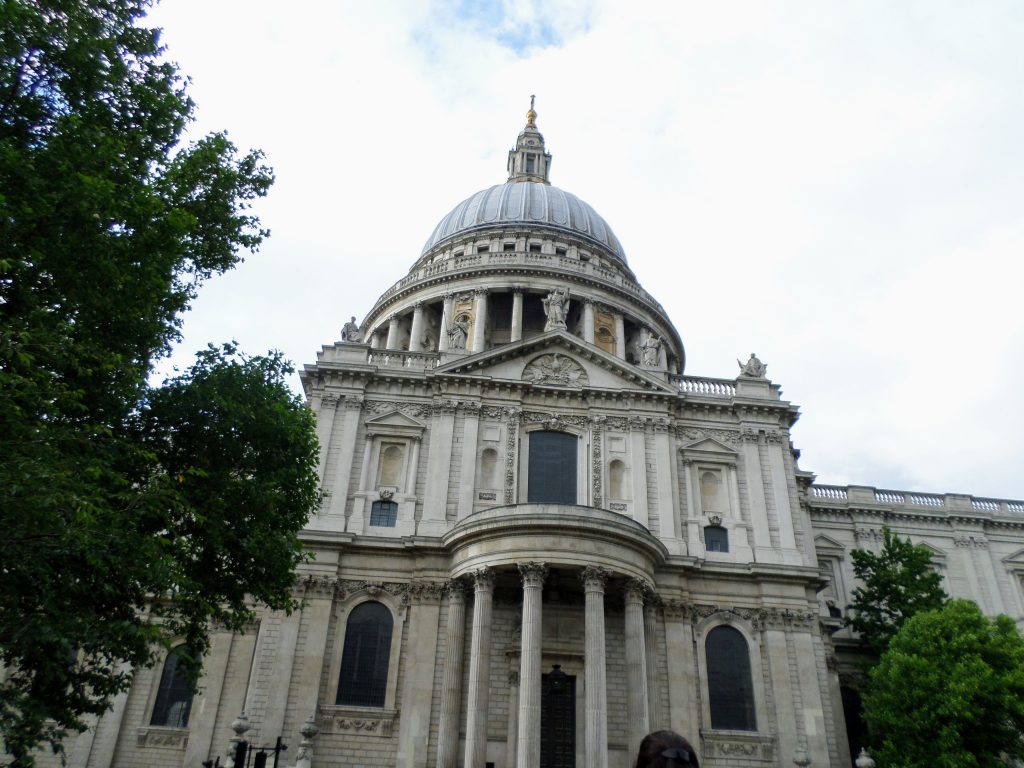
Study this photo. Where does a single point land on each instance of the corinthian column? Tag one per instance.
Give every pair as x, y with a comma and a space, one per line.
479, 670
416, 332
448, 730
594, 666
517, 315
479, 324
528, 750
636, 665
392, 341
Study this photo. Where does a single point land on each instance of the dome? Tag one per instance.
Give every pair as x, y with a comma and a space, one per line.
528, 203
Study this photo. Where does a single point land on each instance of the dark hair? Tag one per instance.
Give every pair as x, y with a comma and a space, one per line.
666, 749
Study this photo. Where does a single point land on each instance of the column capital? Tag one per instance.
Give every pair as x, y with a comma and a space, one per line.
483, 579
594, 578
354, 403
456, 591
533, 573
417, 306
329, 400
636, 589
481, 291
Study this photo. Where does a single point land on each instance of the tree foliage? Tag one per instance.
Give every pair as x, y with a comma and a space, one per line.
132, 515
949, 692
898, 582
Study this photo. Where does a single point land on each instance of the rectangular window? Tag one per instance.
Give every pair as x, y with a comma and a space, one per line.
483, 248
509, 247
383, 514
530, 163
457, 254
552, 470
534, 247
560, 251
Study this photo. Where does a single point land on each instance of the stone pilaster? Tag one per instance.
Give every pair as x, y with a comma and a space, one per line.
588, 321
416, 332
636, 665
392, 341
517, 315
651, 652
446, 322
480, 322
479, 669
528, 748
451, 685
620, 336
594, 668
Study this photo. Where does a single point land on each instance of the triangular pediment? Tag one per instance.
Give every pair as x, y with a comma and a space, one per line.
395, 423
709, 445
1016, 560
556, 359
826, 545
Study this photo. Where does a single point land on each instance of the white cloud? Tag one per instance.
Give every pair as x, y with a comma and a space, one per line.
835, 186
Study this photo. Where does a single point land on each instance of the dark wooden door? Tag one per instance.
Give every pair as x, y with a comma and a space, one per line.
558, 723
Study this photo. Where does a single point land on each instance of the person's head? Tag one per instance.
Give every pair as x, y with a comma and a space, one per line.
666, 749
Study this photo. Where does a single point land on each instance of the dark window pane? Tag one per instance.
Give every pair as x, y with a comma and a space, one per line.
716, 538
552, 474
730, 686
384, 514
364, 661
174, 696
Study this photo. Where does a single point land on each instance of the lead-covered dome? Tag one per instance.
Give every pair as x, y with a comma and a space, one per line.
533, 203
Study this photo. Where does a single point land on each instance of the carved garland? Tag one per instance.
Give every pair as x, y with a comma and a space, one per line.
512, 434
597, 467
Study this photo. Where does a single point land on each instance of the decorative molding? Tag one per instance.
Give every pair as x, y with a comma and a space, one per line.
533, 573
597, 463
487, 496
364, 721
733, 745
555, 369
514, 416
728, 436
168, 738
618, 506
427, 592
970, 541
594, 576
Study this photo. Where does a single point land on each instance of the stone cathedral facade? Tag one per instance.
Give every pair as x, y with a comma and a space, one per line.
541, 540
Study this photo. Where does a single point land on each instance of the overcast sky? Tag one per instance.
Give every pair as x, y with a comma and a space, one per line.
836, 186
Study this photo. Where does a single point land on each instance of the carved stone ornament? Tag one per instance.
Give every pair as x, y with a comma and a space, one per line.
556, 307
386, 494
365, 722
753, 368
727, 436
167, 738
715, 519
556, 370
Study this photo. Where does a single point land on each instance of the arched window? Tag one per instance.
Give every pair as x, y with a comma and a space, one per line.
730, 686
384, 514
710, 485
616, 479
716, 538
552, 473
364, 660
489, 468
391, 459
174, 696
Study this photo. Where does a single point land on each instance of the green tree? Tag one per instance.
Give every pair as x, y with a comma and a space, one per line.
131, 515
898, 582
949, 692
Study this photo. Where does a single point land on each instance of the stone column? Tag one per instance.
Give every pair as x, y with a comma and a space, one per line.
326, 410
513, 717
467, 485
651, 652
416, 332
338, 487
528, 748
636, 665
479, 323
588, 321
451, 686
594, 668
479, 670
446, 321
620, 336
517, 315
392, 342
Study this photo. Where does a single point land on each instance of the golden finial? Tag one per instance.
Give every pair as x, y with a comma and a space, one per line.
531, 116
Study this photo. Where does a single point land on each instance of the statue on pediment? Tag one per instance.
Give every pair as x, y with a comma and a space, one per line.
650, 349
350, 332
458, 333
753, 367
556, 307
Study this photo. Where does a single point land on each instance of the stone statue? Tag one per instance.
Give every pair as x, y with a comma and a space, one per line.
350, 332
458, 333
753, 367
556, 307
650, 349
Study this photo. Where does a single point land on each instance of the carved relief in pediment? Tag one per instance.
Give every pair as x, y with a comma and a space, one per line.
556, 370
